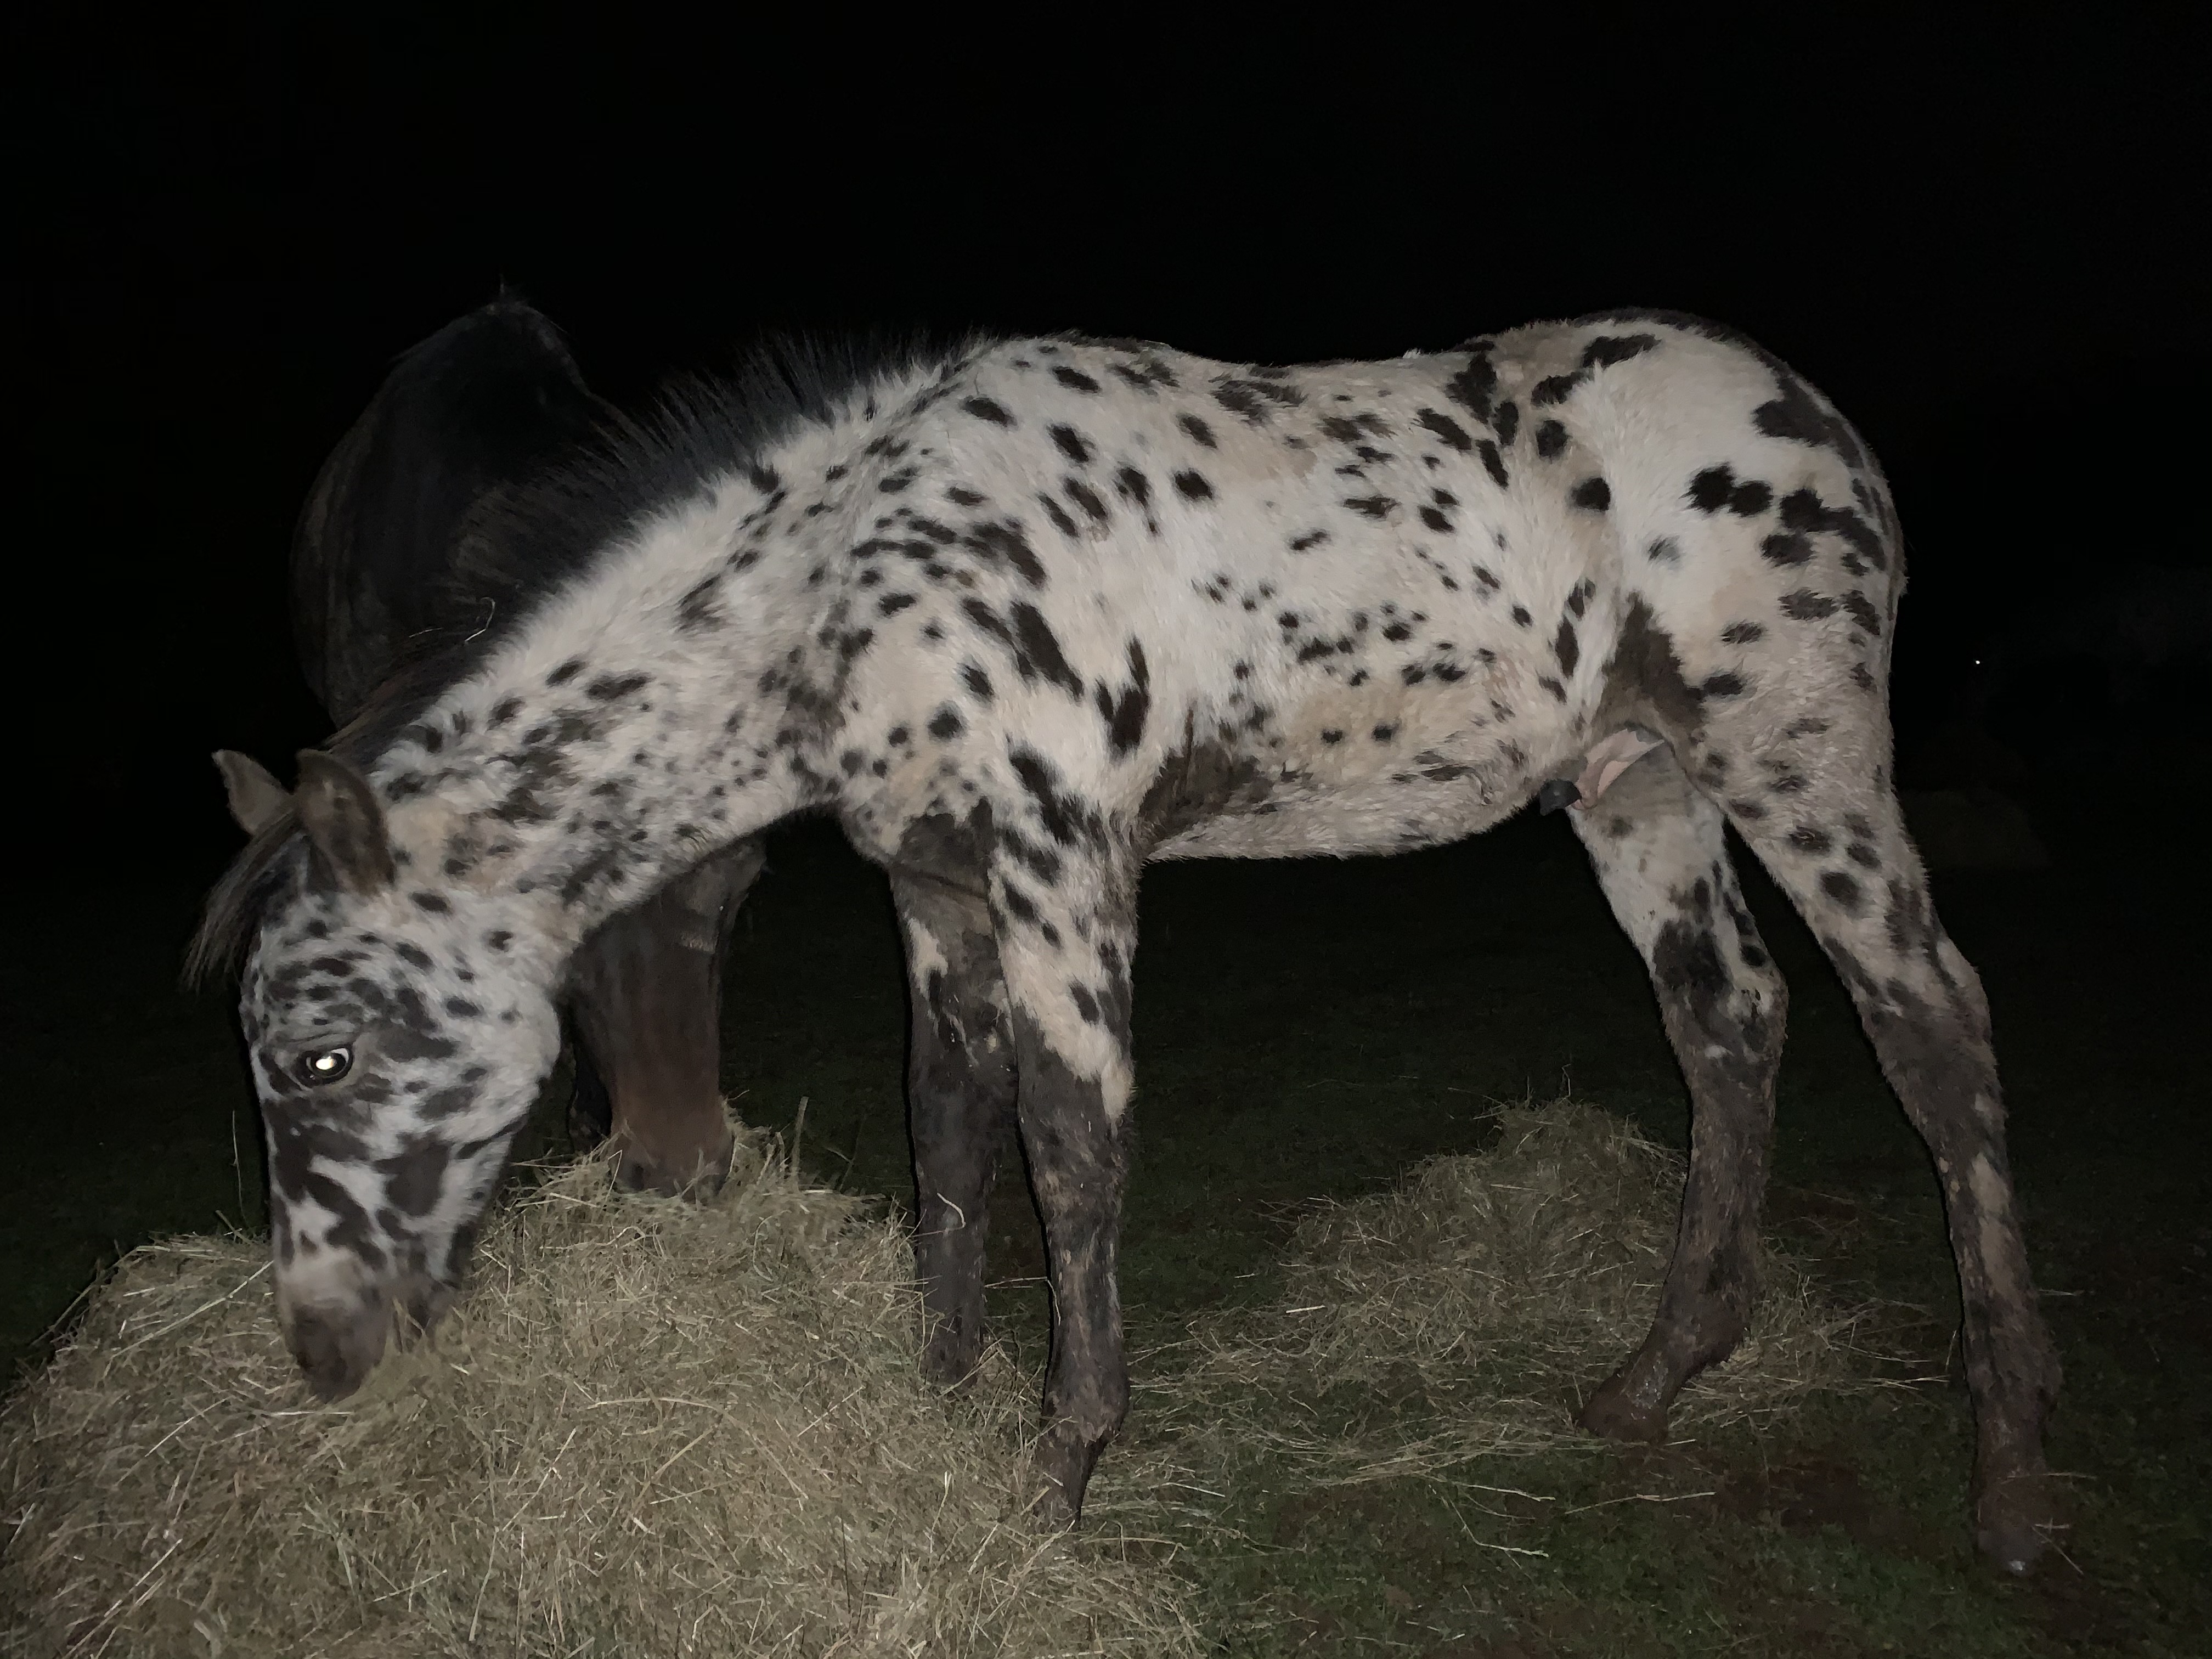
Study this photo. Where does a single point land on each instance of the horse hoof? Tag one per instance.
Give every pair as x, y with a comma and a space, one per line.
1613, 1413
1063, 1462
698, 1175
2014, 1520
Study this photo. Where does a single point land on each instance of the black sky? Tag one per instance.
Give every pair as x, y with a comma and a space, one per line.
1973, 238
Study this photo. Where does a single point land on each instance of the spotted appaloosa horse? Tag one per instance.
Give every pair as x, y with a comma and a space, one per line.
1025, 616
386, 571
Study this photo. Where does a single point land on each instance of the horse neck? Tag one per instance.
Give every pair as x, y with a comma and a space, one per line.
663, 707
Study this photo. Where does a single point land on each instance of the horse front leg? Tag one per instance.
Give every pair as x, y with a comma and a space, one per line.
960, 1104
645, 994
1067, 949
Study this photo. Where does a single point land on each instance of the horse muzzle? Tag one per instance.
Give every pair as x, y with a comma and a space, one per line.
337, 1342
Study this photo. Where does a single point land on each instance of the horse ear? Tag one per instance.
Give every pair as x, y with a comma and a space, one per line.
256, 798
345, 823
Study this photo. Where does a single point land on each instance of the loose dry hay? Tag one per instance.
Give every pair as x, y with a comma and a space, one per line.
654, 1428
649, 1428
1487, 1294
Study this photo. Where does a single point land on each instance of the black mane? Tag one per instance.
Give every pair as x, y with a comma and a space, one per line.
519, 546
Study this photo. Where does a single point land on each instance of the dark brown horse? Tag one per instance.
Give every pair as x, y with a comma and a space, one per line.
386, 572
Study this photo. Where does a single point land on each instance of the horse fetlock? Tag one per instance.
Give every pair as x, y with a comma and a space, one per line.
952, 1309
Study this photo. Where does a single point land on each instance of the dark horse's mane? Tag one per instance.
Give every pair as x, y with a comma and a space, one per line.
520, 545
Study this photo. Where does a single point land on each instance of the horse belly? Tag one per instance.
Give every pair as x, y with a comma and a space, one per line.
1441, 793
1396, 820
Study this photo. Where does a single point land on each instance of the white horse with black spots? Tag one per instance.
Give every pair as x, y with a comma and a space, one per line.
1025, 616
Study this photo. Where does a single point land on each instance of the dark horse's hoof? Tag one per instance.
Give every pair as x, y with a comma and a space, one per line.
2015, 1521
1616, 1410
691, 1173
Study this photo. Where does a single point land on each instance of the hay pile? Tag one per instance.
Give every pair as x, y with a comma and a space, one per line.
649, 1428
657, 1428
1465, 1315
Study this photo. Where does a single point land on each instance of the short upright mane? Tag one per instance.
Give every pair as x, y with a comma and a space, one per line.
519, 546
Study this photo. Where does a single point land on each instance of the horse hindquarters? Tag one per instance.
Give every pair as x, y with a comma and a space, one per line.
646, 993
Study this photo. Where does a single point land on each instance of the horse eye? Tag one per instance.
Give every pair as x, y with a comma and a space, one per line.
324, 1065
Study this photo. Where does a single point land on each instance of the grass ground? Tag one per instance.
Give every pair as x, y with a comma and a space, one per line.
1310, 1030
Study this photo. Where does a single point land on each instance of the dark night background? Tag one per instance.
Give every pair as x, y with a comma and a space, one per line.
1974, 242
1976, 238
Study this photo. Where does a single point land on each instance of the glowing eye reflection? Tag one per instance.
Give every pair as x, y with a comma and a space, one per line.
324, 1065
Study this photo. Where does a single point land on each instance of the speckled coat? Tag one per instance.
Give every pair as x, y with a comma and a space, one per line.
1026, 618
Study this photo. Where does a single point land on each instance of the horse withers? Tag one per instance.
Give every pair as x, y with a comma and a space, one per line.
387, 574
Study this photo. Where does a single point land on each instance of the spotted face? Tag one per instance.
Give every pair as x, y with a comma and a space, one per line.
398, 1041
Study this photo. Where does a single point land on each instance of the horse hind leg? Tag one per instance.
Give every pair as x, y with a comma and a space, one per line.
1829, 827
1662, 857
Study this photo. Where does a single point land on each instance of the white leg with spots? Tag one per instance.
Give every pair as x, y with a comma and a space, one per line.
1067, 951
1660, 853
1839, 848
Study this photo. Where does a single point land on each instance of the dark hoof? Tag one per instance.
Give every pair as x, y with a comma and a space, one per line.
1616, 1411
2015, 1521
1063, 1463
682, 1175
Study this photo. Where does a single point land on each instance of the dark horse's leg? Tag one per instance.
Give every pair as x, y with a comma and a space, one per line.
645, 993
1662, 858
960, 1103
